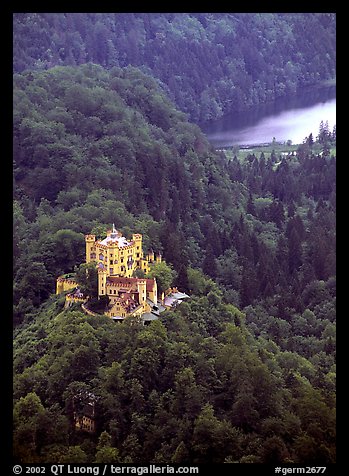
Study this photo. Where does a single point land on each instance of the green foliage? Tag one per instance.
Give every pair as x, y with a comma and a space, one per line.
213, 438
243, 371
105, 452
189, 212
296, 50
199, 284
164, 275
195, 387
74, 455
36, 427
87, 277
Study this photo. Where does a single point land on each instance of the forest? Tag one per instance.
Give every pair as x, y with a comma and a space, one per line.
209, 64
244, 371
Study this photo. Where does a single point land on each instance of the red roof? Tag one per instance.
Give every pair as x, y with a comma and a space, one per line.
150, 284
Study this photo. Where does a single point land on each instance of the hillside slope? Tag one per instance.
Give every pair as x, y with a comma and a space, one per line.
194, 388
209, 63
208, 383
94, 147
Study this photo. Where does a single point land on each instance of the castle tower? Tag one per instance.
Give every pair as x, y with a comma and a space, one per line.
59, 286
137, 239
150, 256
114, 233
102, 281
142, 291
90, 248
153, 293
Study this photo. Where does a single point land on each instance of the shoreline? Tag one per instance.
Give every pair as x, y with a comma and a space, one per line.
253, 146
279, 148
326, 83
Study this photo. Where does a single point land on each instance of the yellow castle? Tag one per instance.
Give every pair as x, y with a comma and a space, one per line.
117, 259
118, 256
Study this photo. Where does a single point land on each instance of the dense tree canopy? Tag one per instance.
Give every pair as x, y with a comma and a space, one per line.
252, 57
256, 226
199, 389
244, 371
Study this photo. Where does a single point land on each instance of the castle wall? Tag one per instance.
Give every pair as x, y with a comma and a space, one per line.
117, 260
115, 257
65, 284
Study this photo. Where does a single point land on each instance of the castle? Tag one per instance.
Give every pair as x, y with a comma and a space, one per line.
116, 260
118, 256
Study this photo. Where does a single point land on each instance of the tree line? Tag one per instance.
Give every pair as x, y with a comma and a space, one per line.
196, 387
252, 57
246, 368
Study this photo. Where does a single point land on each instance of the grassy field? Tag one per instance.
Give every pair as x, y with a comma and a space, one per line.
329, 82
279, 149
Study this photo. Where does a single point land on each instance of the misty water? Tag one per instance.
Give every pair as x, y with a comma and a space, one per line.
291, 118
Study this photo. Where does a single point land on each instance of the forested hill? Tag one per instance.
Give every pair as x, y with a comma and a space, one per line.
242, 372
93, 147
209, 64
193, 388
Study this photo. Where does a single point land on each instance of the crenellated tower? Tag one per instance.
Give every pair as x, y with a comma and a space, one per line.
102, 281
142, 291
90, 241
116, 259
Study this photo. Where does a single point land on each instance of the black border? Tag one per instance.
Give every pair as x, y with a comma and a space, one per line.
6, 354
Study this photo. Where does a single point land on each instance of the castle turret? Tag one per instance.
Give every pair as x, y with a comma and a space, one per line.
90, 248
150, 256
137, 239
114, 233
142, 291
102, 281
153, 292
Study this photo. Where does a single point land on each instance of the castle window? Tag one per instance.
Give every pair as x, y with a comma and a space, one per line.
111, 261
111, 270
93, 255
101, 257
137, 255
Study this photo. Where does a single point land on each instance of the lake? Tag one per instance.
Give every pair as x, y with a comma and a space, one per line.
291, 118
